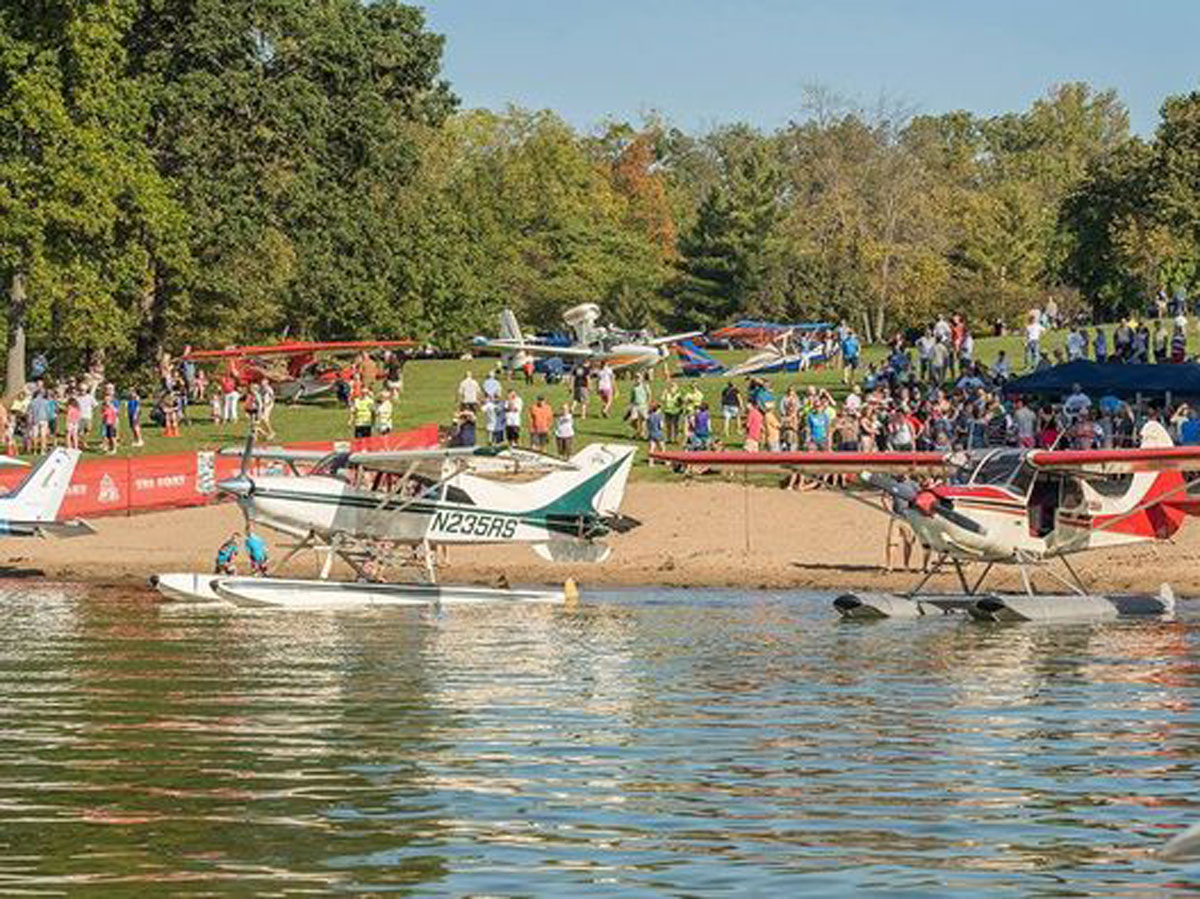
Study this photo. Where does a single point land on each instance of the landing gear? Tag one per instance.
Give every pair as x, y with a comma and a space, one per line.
369, 559
1025, 564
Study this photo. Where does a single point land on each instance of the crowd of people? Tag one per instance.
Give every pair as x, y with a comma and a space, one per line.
930, 391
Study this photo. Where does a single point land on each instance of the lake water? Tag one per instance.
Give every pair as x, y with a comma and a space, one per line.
677, 742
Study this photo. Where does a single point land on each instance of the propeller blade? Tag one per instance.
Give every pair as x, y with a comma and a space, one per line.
904, 491
967, 524
248, 452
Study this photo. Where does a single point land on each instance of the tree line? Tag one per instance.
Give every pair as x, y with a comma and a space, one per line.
215, 171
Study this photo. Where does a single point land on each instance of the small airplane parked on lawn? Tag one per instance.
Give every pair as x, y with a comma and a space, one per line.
747, 332
31, 508
362, 506
622, 350
786, 353
297, 369
1012, 506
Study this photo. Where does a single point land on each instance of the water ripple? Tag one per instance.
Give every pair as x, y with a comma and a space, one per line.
688, 742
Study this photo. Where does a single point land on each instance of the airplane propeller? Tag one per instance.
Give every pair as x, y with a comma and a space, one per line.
241, 485
925, 501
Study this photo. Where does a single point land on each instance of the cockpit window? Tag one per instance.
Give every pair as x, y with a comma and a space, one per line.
997, 468
331, 465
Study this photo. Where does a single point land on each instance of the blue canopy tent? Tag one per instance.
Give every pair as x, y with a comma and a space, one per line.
1110, 379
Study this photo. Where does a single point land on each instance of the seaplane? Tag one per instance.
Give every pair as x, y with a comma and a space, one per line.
31, 508
369, 507
593, 343
1026, 508
297, 369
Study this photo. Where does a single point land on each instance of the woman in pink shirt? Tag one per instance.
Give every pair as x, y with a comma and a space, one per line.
754, 428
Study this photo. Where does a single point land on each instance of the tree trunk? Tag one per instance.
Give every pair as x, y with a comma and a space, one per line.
14, 376
152, 316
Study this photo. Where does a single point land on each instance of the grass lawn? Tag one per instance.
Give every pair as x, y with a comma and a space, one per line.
429, 396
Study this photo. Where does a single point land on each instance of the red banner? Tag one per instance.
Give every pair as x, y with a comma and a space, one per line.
176, 480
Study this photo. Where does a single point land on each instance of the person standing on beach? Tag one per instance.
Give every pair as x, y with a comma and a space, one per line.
256, 552
226, 554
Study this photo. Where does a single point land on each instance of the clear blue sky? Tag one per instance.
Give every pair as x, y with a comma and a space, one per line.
705, 62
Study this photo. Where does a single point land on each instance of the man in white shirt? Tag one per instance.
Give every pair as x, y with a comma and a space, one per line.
941, 330
1033, 342
468, 393
491, 387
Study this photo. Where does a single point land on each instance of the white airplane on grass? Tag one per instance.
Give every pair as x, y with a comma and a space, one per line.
31, 509
619, 349
362, 506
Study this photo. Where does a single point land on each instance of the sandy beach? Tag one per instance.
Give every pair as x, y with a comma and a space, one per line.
692, 534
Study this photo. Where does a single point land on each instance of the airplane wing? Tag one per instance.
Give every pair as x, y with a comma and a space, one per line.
927, 463
276, 454
11, 461
298, 347
674, 338
482, 457
1117, 461
536, 349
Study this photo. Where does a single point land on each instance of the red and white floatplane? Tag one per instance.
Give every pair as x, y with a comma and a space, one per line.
1022, 507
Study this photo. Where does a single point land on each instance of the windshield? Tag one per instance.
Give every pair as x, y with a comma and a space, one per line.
997, 469
331, 464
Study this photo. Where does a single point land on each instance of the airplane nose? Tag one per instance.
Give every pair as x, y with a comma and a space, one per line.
239, 486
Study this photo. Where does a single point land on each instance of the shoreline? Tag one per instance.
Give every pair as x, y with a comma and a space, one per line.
713, 533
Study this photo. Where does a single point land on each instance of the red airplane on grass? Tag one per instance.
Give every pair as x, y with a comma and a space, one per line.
1011, 506
297, 369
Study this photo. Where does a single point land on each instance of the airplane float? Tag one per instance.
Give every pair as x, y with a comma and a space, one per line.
361, 505
1010, 507
296, 369
593, 343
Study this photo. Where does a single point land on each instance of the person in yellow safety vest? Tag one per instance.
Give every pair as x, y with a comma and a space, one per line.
362, 410
691, 402
672, 407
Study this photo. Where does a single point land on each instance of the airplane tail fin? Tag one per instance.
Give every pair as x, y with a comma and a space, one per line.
40, 495
509, 327
594, 490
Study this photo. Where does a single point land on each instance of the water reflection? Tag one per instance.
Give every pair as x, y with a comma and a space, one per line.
680, 742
